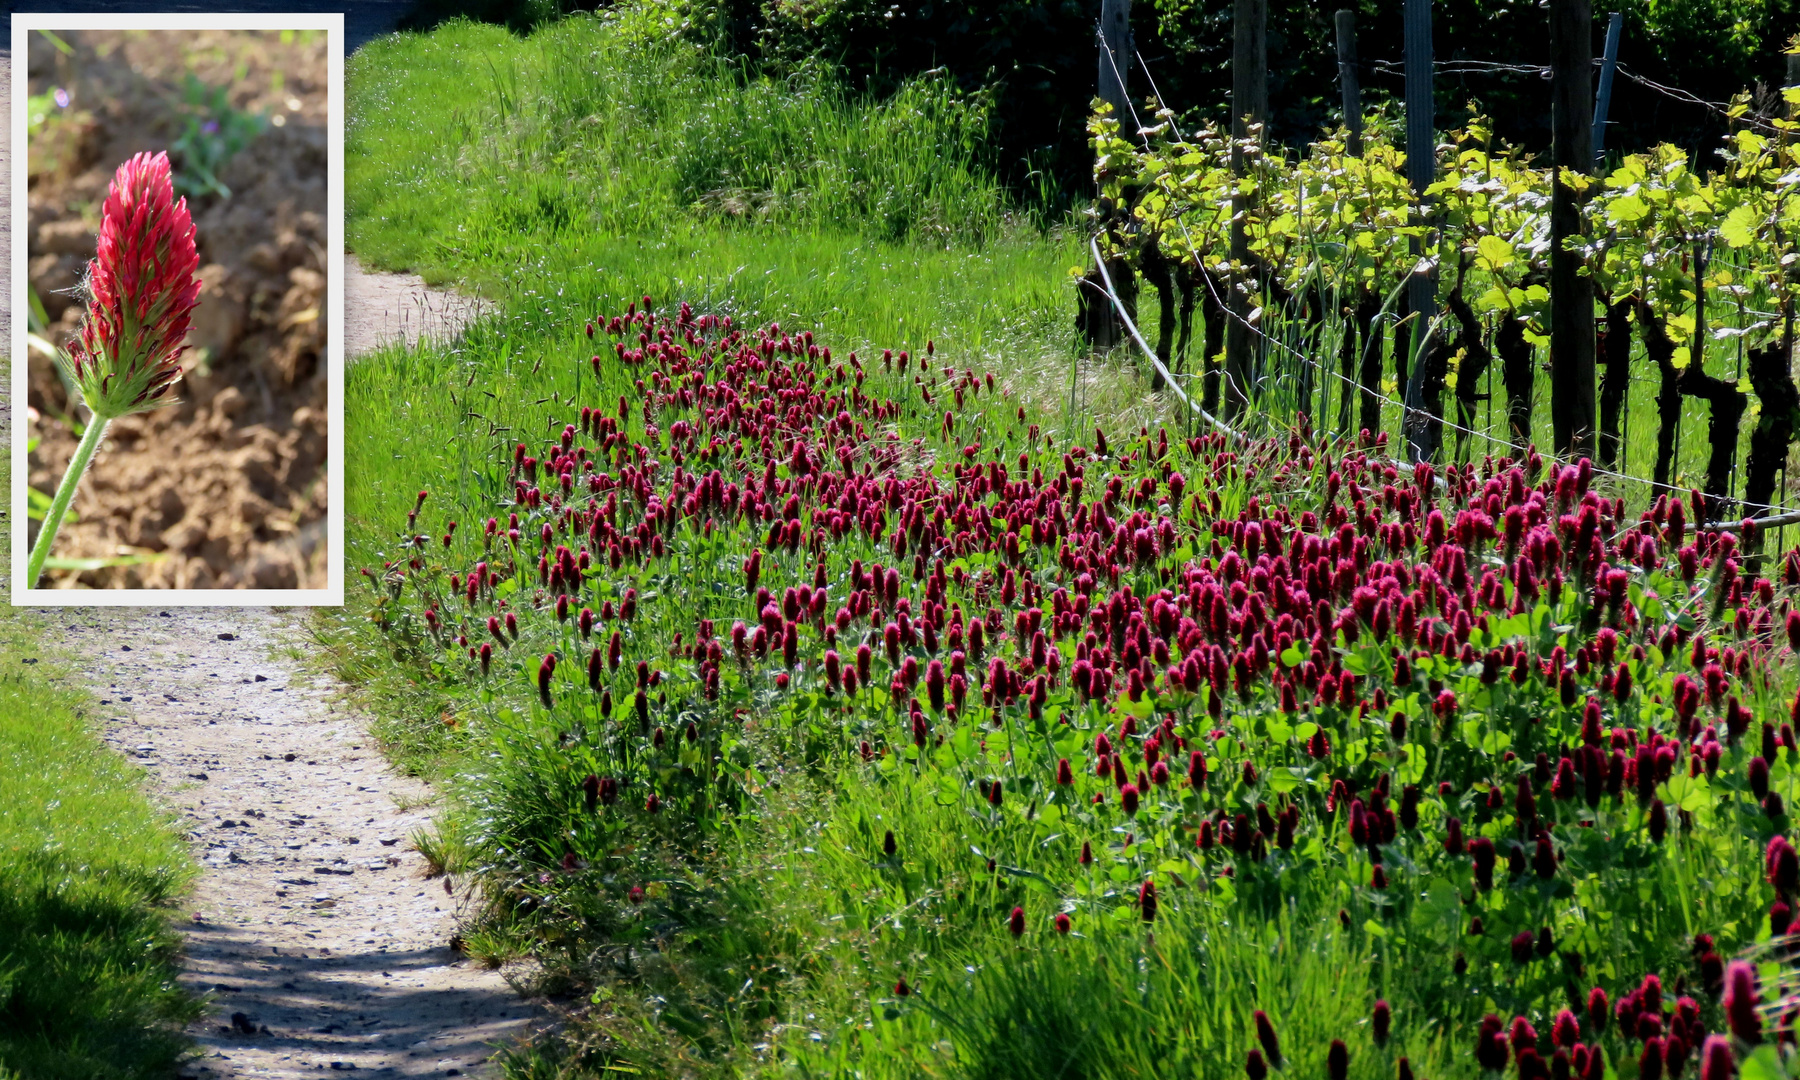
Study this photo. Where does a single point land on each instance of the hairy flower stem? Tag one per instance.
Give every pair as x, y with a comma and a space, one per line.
65, 494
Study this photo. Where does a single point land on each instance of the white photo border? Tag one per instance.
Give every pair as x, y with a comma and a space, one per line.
333, 594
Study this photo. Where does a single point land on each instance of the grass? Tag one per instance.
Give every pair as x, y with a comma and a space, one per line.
637, 155
88, 873
754, 925
596, 128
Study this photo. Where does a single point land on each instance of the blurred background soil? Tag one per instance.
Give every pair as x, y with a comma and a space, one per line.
227, 489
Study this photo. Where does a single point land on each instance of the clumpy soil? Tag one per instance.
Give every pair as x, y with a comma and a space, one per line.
228, 489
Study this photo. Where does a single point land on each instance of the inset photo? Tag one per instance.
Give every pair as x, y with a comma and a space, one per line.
177, 301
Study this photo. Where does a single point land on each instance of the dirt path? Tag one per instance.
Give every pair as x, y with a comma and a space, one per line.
313, 926
381, 307
313, 929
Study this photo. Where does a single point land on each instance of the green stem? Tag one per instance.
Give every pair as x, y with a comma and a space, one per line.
65, 494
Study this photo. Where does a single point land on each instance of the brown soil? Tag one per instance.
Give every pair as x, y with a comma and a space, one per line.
316, 930
227, 489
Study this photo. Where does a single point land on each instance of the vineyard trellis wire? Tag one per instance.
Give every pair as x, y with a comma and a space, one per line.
1726, 110
1647, 232
1787, 515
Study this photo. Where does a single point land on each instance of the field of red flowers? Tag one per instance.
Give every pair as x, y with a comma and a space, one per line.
1138, 753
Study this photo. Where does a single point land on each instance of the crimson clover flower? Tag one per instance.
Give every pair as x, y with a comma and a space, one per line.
1265, 1034
1716, 1061
1740, 1002
141, 292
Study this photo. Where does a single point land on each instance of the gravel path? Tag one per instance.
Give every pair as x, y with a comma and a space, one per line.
313, 929
313, 926
381, 307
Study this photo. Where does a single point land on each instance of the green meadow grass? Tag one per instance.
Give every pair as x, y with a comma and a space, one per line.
570, 172
598, 159
88, 871
470, 148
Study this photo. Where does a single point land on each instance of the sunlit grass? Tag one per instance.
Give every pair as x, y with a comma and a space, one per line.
88, 871
771, 930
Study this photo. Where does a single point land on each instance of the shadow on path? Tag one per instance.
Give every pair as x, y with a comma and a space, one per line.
314, 929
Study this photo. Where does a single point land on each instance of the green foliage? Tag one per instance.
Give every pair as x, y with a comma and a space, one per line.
211, 132
772, 930
87, 872
1322, 229
1037, 58
579, 131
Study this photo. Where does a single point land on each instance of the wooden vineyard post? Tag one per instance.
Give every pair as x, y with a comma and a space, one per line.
1572, 404
1249, 107
1115, 59
1793, 77
1609, 60
1094, 314
1421, 429
1783, 361
1617, 353
1793, 112
1348, 81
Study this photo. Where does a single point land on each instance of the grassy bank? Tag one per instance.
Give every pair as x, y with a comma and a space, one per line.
88, 871
573, 171
685, 612
568, 173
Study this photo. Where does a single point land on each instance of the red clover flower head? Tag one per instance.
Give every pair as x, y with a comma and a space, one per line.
1740, 1002
1265, 1034
1566, 1031
1716, 1061
1254, 1065
141, 292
